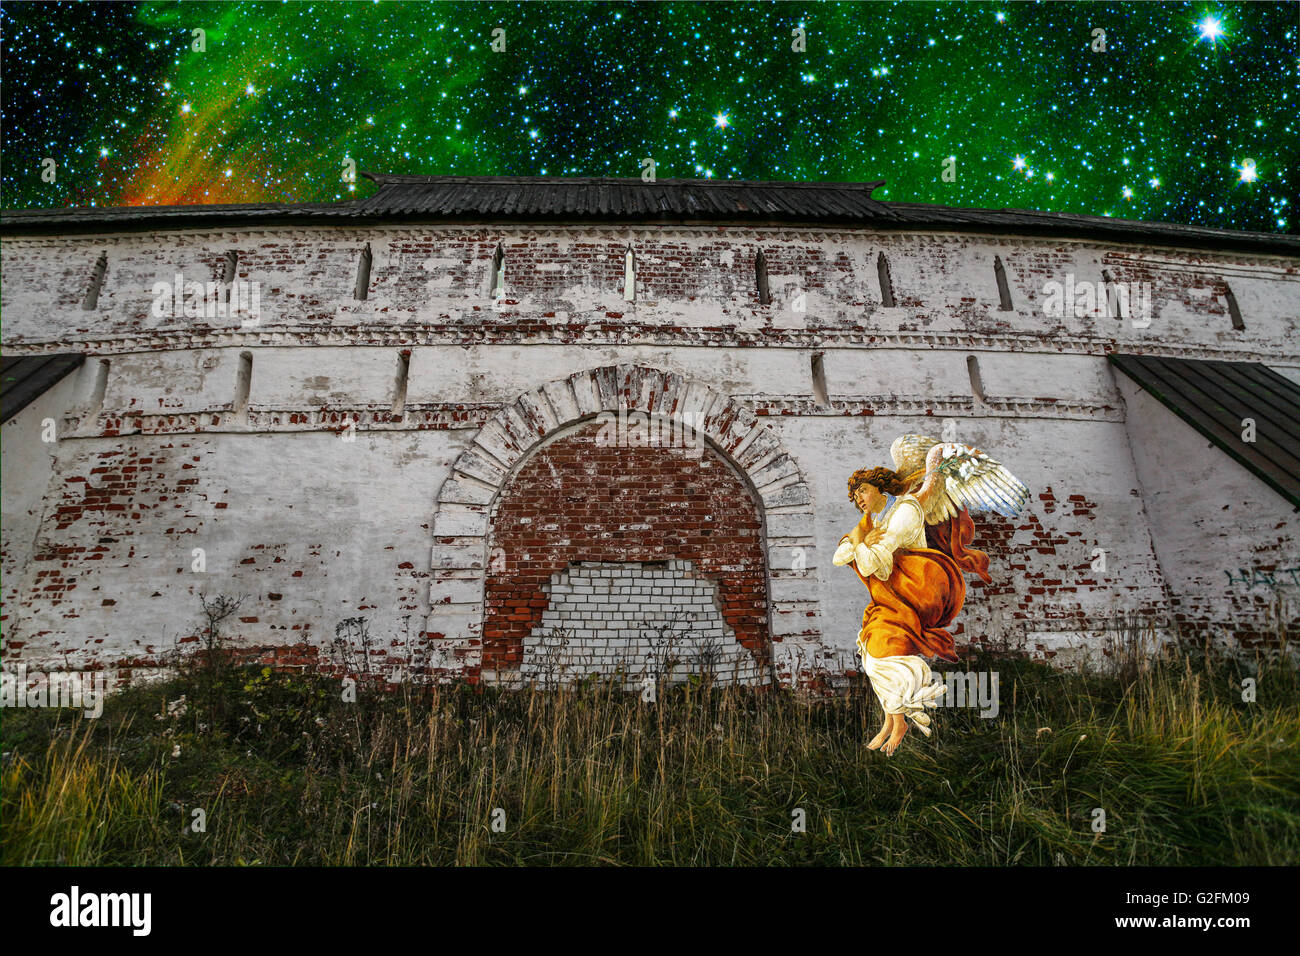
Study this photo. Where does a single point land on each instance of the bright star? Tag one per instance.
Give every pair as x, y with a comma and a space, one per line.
1210, 29
720, 121
1018, 162
1248, 174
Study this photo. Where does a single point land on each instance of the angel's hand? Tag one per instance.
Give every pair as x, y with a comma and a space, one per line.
873, 536
844, 553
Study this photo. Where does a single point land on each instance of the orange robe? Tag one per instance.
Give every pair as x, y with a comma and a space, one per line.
909, 613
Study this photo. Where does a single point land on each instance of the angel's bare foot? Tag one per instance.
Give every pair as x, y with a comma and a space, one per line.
897, 732
879, 739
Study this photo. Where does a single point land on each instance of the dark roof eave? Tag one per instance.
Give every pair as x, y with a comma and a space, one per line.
23, 379
1135, 234
437, 200
1196, 392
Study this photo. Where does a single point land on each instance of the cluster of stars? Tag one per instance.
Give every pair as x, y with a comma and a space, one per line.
1181, 116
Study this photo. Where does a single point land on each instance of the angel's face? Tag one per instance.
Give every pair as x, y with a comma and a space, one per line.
868, 499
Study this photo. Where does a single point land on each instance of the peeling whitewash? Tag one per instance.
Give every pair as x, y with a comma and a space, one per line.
320, 506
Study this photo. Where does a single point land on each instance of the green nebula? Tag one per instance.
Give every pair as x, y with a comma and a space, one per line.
966, 104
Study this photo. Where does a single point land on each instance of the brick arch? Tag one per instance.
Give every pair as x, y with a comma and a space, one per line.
547, 413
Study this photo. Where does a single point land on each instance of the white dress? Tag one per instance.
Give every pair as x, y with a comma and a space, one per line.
904, 683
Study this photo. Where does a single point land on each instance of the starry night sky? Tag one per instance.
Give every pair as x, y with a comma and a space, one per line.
1189, 115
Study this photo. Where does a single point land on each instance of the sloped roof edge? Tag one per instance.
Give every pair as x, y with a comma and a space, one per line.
1214, 397
23, 379
522, 199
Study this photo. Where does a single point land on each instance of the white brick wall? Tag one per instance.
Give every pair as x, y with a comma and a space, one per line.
315, 529
641, 619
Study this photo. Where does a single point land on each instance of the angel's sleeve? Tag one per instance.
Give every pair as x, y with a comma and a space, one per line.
844, 553
904, 522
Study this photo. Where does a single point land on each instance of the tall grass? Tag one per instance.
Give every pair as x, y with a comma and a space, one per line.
286, 772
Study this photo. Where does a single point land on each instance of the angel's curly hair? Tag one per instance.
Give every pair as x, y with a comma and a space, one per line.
884, 479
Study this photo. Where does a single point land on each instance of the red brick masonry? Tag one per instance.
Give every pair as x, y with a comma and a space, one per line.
577, 501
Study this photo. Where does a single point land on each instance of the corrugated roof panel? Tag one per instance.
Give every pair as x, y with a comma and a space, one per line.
1227, 405
588, 199
24, 379
1275, 390
1214, 397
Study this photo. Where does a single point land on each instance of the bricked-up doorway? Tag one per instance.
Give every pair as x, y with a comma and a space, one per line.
641, 620
483, 478
580, 502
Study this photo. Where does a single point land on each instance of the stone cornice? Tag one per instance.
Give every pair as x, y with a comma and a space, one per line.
362, 418
459, 334
618, 233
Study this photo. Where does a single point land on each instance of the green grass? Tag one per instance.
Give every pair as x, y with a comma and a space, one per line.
287, 773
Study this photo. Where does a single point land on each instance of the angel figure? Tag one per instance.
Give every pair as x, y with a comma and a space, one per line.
911, 558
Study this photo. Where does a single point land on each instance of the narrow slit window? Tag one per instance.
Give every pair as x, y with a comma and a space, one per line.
100, 388
820, 395
399, 386
760, 278
91, 300
1112, 305
243, 384
229, 270
1233, 309
976, 380
362, 289
497, 284
886, 282
1004, 291
629, 275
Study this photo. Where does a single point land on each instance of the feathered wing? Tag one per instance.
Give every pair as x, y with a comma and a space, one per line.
908, 452
956, 476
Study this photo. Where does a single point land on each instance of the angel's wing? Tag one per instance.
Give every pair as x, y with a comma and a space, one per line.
908, 452
957, 476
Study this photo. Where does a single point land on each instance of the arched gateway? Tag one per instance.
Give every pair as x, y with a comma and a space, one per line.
620, 519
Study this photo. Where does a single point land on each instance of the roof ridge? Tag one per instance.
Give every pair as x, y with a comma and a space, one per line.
395, 179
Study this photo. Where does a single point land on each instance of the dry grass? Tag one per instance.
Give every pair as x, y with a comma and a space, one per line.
288, 773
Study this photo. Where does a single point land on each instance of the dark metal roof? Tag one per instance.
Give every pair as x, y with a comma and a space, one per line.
490, 199
1214, 397
25, 379
621, 200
